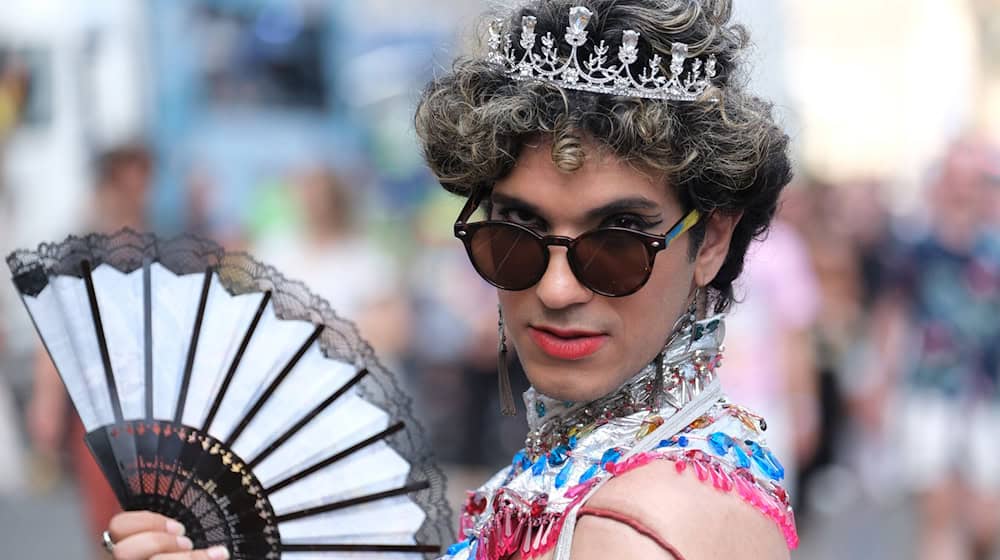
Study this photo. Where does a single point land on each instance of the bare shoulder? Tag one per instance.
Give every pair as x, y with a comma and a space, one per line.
698, 520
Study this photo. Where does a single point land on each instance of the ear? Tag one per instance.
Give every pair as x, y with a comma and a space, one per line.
715, 247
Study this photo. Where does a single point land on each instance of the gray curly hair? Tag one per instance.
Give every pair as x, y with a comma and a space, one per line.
723, 153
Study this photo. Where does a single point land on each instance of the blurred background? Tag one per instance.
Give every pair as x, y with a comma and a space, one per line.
868, 332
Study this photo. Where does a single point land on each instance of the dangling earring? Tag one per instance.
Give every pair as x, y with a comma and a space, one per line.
692, 310
507, 406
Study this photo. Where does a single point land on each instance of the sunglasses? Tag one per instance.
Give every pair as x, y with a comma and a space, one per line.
610, 261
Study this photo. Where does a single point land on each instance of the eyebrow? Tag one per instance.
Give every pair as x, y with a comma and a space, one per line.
594, 214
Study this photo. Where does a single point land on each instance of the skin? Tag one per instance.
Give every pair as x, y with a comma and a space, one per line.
537, 194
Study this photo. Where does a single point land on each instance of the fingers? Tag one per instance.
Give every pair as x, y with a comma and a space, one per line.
214, 553
131, 523
141, 546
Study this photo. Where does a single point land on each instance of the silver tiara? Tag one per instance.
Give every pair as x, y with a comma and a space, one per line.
595, 74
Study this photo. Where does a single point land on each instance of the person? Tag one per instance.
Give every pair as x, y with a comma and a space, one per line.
621, 170
123, 176
330, 254
938, 335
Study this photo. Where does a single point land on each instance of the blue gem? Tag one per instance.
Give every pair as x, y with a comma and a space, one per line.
520, 460
568, 404
588, 474
610, 456
539, 466
458, 547
558, 455
720, 443
540, 408
475, 547
766, 461
682, 441
666, 443
563, 475
572, 442
779, 469
741, 457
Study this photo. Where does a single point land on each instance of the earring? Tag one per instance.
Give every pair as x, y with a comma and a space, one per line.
507, 406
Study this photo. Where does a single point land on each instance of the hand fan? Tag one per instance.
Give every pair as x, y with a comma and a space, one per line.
217, 392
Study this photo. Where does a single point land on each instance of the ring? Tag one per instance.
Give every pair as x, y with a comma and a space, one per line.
109, 544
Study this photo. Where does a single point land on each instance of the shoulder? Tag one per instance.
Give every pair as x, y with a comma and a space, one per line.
698, 520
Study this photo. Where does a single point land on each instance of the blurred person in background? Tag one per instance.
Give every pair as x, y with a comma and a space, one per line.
770, 363
330, 255
939, 336
120, 199
13, 89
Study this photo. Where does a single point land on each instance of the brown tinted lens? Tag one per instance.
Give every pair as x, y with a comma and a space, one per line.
611, 262
507, 256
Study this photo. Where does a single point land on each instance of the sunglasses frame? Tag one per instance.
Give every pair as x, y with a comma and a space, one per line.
653, 243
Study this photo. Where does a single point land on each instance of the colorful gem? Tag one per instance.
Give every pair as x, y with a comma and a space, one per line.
459, 547
539, 466
563, 475
475, 504
558, 455
610, 456
588, 474
682, 441
766, 461
741, 457
540, 409
720, 443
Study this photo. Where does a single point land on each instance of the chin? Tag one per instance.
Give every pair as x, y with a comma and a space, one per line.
570, 383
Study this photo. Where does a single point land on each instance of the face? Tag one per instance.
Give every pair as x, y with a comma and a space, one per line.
574, 344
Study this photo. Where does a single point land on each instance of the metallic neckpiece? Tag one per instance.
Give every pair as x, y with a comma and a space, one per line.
596, 74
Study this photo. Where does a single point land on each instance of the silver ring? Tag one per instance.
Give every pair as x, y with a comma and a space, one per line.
109, 544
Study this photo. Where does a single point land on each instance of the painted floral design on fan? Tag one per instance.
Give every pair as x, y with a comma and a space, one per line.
217, 392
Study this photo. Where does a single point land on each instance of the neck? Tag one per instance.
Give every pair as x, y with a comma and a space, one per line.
676, 376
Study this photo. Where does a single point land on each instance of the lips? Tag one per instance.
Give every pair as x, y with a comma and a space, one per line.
567, 344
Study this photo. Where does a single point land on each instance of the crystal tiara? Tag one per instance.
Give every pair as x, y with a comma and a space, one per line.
595, 74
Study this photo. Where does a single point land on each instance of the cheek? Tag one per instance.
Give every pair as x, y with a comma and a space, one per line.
649, 315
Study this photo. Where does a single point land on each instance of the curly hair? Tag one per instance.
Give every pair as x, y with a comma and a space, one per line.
722, 153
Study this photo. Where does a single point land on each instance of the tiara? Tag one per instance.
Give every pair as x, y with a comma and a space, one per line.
595, 74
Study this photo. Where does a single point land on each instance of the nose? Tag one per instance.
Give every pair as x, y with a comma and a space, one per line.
559, 288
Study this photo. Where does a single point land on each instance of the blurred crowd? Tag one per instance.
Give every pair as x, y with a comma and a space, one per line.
867, 333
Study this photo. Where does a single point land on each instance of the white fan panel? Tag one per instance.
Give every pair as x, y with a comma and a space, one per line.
271, 348
381, 537
385, 521
119, 297
357, 524
351, 555
376, 468
226, 319
174, 308
313, 379
62, 312
347, 421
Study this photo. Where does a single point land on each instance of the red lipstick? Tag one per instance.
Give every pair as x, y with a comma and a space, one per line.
567, 344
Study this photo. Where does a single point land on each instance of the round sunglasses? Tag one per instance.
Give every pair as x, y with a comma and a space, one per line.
610, 261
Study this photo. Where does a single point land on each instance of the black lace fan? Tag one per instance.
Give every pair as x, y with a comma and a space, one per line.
217, 392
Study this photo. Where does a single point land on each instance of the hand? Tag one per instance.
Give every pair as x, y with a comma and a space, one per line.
143, 535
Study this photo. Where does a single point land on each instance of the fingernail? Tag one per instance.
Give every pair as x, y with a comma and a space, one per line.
175, 528
218, 553
185, 543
